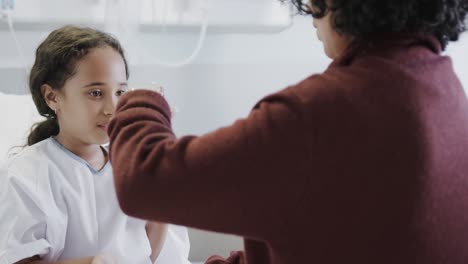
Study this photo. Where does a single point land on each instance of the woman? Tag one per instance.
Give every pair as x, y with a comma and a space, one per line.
363, 163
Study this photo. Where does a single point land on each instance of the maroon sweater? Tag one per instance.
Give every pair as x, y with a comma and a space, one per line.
365, 163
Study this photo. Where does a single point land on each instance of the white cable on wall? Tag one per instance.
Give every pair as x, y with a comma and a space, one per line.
120, 27
201, 40
198, 47
202, 36
7, 13
192, 56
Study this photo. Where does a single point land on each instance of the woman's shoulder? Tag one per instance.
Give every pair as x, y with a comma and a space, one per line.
320, 88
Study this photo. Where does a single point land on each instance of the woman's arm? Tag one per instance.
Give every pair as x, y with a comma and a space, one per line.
100, 259
157, 235
239, 170
36, 260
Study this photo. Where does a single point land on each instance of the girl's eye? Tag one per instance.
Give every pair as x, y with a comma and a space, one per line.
95, 93
120, 92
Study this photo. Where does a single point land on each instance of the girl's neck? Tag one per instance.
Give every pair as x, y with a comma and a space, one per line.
93, 154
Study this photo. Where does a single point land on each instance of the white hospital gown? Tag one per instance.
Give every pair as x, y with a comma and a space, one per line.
53, 204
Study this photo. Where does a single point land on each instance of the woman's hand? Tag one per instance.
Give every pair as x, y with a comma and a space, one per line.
157, 235
104, 259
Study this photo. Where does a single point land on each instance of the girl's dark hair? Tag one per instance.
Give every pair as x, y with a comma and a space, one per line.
361, 19
56, 59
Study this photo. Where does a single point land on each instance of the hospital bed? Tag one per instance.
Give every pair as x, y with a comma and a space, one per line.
18, 115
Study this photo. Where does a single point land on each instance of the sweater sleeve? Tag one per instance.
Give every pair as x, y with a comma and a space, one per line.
234, 180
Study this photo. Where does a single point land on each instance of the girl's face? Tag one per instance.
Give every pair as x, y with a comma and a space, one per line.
87, 101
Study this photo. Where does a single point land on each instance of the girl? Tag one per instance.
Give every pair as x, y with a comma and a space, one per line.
58, 198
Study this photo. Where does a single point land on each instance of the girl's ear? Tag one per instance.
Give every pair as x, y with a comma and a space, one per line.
50, 96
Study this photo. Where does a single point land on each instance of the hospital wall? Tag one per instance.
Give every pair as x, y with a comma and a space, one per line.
231, 73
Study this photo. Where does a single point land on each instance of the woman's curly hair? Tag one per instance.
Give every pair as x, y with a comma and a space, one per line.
361, 19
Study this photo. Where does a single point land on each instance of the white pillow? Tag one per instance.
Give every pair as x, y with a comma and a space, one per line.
18, 114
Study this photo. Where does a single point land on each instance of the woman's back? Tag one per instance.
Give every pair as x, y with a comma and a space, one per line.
386, 160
